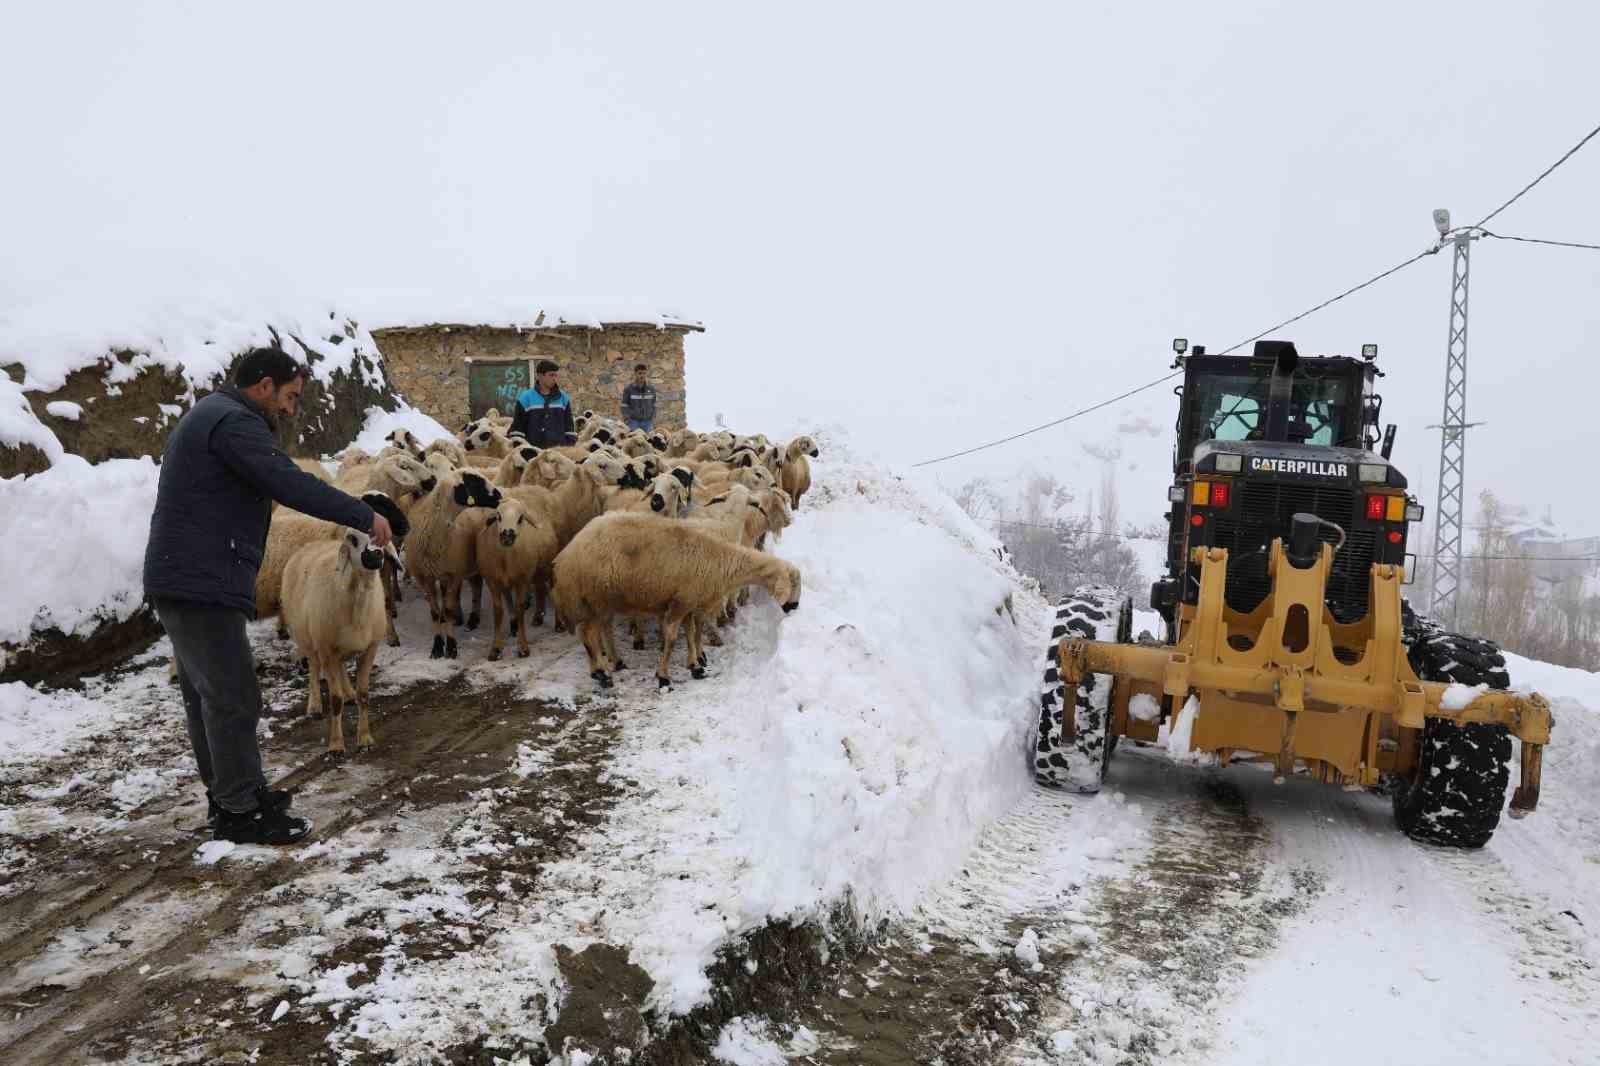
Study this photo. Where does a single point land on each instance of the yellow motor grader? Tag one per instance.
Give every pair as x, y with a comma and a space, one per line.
1288, 639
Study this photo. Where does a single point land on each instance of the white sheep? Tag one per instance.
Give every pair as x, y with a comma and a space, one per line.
637, 565
429, 556
797, 458
333, 604
515, 547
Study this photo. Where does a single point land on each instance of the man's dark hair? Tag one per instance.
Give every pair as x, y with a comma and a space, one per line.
640, 366
545, 366
271, 363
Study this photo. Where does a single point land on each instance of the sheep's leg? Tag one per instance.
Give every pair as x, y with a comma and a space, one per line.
636, 630
669, 637
519, 600
708, 631
589, 633
498, 602
610, 636
314, 689
541, 593
332, 668
363, 677
452, 595
477, 602
692, 650
436, 609
391, 597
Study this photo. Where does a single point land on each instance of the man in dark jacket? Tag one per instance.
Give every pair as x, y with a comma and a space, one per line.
544, 412
220, 472
639, 400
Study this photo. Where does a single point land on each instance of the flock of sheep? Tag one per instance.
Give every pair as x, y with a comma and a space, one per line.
621, 525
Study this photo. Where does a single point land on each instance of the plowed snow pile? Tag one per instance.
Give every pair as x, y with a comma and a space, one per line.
849, 752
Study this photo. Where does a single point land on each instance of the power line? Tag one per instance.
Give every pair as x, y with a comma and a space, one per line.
1286, 322
1168, 377
1047, 425
1570, 152
1535, 240
1350, 291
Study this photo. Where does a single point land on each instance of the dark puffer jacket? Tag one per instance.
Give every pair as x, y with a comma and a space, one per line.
219, 473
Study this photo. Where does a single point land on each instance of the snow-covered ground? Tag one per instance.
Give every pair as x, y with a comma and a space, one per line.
518, 848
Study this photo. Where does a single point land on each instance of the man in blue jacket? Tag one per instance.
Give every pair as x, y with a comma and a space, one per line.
220, 472
544, 412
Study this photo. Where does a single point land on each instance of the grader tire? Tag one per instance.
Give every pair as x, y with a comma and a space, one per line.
1094, 612
1459, 788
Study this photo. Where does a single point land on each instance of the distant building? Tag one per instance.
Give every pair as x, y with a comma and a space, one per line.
1557, 558
432, 365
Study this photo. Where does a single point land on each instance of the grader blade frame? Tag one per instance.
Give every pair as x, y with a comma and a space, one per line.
1289, 681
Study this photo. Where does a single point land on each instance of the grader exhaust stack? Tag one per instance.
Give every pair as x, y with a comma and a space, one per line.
1288, 637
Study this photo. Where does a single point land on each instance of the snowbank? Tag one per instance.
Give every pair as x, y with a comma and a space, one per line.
847, 754
74, 540
860, 745
1556, 846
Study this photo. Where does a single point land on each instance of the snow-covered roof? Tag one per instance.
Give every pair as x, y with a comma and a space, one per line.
568, 318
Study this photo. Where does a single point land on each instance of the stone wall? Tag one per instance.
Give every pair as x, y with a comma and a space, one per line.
427, 364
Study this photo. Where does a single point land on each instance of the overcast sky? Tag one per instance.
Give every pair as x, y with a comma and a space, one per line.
933, 224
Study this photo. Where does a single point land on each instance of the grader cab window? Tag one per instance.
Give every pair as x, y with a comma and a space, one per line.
1232, 405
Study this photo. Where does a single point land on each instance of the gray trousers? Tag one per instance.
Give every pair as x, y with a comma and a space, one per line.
217, 674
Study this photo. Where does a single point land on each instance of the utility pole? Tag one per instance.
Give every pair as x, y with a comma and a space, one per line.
1452, 428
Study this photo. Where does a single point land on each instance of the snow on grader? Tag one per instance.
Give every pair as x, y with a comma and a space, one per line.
1288, 638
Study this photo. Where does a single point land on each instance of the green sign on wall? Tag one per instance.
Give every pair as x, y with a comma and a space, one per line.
495, 385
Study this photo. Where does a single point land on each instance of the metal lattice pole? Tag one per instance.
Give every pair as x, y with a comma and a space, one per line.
1452, 446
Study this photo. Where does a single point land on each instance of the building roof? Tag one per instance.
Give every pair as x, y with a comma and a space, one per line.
550, 319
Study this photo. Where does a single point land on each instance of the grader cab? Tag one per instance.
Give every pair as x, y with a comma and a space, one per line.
1287, 636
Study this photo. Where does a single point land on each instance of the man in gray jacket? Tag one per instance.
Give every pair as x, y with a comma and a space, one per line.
220, 472
639, 400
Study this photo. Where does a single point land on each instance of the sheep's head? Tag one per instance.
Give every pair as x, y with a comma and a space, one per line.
399, 524
356, 550
651, 467
604, 436
683, 474
508, 519
633, 475
803, 446
785, 587
405, 439
580, 423
658, 442
472, 490
410, 475
605, 468
479, 439
588, 412
439, 464
666, 495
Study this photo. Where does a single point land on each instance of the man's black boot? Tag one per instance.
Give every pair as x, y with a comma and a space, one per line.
278, 798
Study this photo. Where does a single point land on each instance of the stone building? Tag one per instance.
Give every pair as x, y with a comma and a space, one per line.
430, 365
